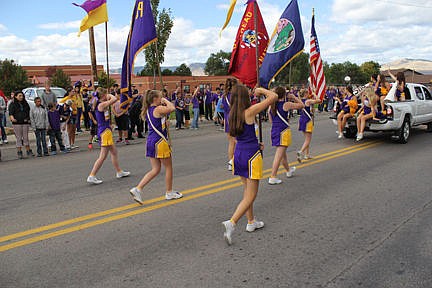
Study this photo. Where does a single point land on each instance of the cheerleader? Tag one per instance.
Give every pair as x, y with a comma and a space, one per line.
247, 161
281, 132
155, 111
368, 111
105, 137
382, 88
306, 124
230, 82
348, 108
400, 82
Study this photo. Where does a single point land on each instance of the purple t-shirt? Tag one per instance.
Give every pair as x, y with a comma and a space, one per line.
195, 102
209, 97
54, 119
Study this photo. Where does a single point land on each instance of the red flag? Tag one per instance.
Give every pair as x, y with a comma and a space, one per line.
243, 57
317, 70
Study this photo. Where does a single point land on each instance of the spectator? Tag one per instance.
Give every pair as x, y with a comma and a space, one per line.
179, 105
80, 107
208, 102
3, 138
200, 97
135, 120
122, 121
86, 108
48, 97
186, 110
71, 124
92, 103
2, 113
19, 114
195, 108
54, 131
39, 123
65, 114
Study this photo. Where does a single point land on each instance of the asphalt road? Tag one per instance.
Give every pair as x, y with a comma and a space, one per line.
357, 215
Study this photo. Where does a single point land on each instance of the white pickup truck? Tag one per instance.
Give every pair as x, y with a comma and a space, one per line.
401, 115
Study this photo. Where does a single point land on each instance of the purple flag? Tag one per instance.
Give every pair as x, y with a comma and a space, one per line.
142, 33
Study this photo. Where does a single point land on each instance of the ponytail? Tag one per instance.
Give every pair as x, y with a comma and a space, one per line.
281, 92
229, 84
148, 100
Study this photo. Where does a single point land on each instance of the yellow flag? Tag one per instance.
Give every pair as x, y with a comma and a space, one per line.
228, 19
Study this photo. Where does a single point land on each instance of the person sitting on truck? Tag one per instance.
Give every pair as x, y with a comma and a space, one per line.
368, 110
400, 82
348, 108
382, 88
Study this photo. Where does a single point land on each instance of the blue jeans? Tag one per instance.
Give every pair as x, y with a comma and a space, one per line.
179, 118
196, 112
41, 141
78, 117
2, 126
53, 135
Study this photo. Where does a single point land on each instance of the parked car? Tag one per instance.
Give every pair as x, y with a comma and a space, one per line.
33, 92
401, 115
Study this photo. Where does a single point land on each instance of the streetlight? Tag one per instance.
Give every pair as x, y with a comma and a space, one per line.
347, 79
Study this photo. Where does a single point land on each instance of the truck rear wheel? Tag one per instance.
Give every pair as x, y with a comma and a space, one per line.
350, 132
404, 132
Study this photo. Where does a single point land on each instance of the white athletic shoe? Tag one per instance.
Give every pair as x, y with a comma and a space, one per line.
359, 137
308, 157
274, 181
229, 229
255, 225
340, 135
136, 195
173, 195
122, 174
300, 156
230, 167
291, 171
93, 180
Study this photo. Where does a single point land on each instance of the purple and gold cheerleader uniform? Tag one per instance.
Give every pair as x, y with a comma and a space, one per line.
248, 162
157, 146
280, 132
305, 122
226, 108
104, 133
367, 107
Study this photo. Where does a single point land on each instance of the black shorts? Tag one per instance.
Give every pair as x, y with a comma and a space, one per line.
201, 109
122, 122
187, 114
93, 129
73, 119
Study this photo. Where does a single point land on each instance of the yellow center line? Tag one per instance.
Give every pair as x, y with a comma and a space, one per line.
160, 205
147, 202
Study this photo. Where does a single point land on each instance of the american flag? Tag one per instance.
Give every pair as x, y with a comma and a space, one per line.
317, 70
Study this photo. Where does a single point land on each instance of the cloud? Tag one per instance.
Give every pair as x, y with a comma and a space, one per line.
60, 25
374, 13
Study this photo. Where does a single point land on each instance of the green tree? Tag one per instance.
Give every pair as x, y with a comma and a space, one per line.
299, 71
103, 80
167, 72
147, 71
60, 79
183, 70
12, 77
218, 64
370, 67
164, 24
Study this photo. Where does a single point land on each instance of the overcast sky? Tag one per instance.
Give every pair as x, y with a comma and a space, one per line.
45, 32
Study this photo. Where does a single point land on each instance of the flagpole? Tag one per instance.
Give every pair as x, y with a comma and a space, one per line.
257, 67
158, 65
93, 54
107, 59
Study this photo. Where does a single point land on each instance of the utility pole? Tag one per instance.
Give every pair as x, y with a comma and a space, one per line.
93, 54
